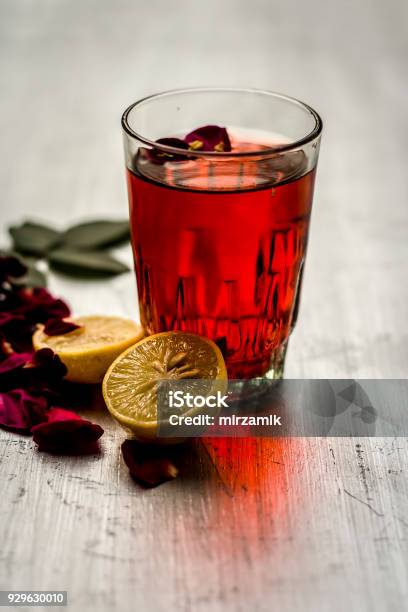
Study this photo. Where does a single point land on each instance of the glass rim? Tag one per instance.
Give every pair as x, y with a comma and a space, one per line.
316, 131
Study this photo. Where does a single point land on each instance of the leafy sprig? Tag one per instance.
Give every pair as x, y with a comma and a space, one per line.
79, 251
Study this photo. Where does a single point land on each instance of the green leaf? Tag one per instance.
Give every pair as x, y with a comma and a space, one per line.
86, 264
97, 234
34, 238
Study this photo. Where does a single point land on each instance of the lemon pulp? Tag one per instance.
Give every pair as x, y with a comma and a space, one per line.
88, 351
130, 385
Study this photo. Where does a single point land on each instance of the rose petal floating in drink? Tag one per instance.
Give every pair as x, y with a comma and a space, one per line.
158, 156
206, 138
209, 138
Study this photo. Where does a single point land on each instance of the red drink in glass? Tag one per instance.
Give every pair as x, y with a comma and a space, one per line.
219, 246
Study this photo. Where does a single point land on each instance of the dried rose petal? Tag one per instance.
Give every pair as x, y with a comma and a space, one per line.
66, 432
11, 267
20, 410
157, 156
12, 375
11, 371
20, 311
172, 142
209, 138
39, 305
8, 319
13, 362
47, 359
58, 327
30, 381
57, 415
5, 347
16, 330
45, 366
39, 372
148, 465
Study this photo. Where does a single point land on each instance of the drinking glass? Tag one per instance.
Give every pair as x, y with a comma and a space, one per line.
219, 237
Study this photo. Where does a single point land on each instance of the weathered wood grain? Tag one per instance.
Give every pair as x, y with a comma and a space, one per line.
288, 525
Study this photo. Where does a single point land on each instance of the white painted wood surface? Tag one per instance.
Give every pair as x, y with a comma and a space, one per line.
289, 525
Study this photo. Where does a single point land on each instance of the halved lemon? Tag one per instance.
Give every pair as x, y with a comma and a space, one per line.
88, 351
130, 385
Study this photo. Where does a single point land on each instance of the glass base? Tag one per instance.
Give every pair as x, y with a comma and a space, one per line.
269, 366
276, 370
254, 389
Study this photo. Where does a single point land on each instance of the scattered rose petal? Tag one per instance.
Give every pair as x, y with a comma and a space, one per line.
10, 318
13, 362
41, 372
21, 309
209, 138
20, 410
68, 394
65, 432
47, 364
58, 327
45, 373
12, 375
11, 267
39, 305
32, 381
148, 465
5, 347
16, 330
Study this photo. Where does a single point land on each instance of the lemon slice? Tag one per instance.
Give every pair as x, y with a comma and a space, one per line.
130, 385
88, 351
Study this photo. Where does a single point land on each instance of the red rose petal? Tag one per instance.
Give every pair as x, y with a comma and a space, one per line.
20, 410
8, 319
16, 330
209, 138
66, 432
39, 305
41, 372
150, 466
55, 415
47, 365
30, 381
23, 308
58, 327
13, 362
5, 347
157, 156
11, 267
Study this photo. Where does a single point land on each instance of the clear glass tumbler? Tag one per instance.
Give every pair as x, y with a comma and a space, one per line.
220, 220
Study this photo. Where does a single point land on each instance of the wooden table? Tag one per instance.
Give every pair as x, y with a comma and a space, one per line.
289, 525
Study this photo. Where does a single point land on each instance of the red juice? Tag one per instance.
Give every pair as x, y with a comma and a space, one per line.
220, 253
